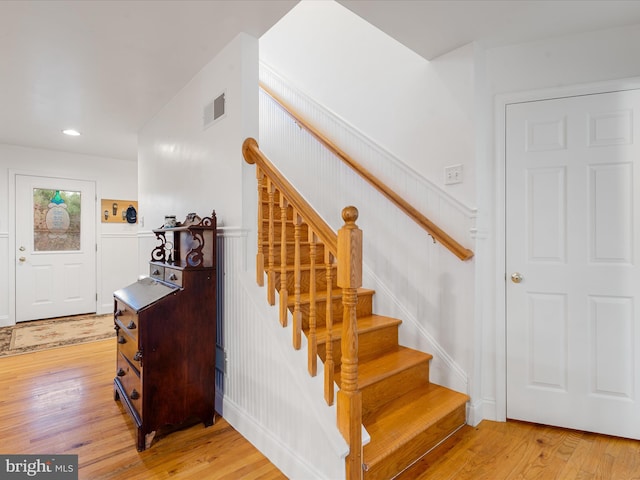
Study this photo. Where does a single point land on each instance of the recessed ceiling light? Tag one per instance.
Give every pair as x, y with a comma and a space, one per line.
71, 132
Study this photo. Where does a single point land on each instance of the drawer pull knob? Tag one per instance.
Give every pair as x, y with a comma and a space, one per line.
138, 356
173, 277
134, 394
131, 325
121, 372
155, 272
122, 340
118, 313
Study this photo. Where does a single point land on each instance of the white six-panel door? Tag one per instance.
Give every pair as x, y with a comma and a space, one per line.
53, 277
572, 252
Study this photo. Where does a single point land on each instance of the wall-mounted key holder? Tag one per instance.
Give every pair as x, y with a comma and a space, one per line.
119, 211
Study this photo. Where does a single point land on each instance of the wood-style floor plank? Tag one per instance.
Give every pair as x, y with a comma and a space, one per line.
61, 401
524, 451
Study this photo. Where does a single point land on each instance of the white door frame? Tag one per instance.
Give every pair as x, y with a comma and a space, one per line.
500, 104
12, 232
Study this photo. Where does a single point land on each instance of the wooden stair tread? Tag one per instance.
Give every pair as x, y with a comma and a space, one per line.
383, 366
395, 424
365, 324
322, 295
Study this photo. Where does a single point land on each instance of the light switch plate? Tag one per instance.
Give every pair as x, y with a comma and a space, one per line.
452, 174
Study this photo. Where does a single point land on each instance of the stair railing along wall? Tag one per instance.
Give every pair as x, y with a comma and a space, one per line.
430, 227
383, 386
340, 257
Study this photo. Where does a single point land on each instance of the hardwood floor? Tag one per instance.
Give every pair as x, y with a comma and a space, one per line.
61, 401
519, 450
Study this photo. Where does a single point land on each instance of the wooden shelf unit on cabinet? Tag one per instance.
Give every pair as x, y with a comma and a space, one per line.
166, 333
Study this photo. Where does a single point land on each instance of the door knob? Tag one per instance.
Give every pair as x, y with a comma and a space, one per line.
23, 259
22, 249
516, 277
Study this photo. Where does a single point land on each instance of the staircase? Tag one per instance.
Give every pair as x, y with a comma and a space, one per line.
404, 413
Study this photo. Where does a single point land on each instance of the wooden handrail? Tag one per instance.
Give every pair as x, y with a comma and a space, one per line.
432, 229
252, 154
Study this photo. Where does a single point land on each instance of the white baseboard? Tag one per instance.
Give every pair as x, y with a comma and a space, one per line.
485, 409
5, 321
283, 458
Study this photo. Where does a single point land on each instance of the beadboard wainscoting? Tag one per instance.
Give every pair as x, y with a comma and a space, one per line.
269, 396
415, 279
119, 266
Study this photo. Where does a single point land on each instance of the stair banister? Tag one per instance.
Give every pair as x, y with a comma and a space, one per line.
253, 155
349, 396
346, 248
432, 229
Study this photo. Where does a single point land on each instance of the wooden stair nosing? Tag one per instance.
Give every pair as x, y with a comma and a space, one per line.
365, 324
384, 366
394, 425
321, 296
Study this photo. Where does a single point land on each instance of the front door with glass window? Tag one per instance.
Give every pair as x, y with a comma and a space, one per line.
55, 247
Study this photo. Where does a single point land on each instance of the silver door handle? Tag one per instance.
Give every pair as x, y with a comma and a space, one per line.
516, 277
22, 259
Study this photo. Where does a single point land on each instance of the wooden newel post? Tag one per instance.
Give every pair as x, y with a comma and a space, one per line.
349, 403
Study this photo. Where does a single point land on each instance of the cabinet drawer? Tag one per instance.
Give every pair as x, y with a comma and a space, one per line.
127, 319
131, 383
128, 347
173, 276
156, 271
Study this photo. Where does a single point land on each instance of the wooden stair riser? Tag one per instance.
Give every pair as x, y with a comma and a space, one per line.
416, 449
305, 274
290, 228
364, 307
305, 258
276, 209
369, 343
379, 393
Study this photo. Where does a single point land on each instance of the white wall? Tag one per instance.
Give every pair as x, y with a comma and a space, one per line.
422, 112
438, 113
182, 169
117, 251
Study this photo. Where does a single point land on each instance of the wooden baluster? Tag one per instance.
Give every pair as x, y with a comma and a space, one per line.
312, 347
284, 294
329, 364
271, 287
349, 397
297, 313
260, 254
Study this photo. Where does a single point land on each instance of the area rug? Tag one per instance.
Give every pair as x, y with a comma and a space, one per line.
56, 332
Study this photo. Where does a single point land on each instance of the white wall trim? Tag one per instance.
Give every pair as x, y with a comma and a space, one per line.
500, 104
267, 443
469, 212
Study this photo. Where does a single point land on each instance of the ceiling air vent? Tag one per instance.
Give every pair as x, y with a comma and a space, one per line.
213, 111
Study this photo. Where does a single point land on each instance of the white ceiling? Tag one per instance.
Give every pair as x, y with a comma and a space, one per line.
106, 67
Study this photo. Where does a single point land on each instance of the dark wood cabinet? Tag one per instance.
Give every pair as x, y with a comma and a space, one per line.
166, 333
